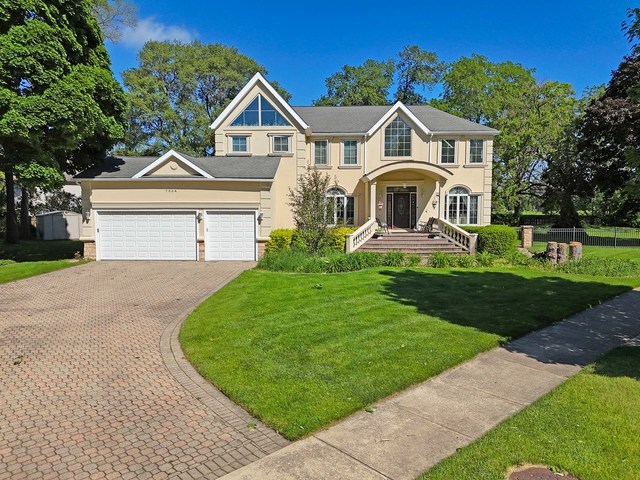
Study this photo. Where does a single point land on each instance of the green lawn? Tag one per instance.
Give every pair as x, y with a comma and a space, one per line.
36, 257
626, 253
302, 351
588, 427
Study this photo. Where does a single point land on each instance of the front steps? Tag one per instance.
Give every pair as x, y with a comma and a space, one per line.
411, 242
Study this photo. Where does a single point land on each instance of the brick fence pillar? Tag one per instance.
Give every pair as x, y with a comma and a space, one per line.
89, 252
527, 236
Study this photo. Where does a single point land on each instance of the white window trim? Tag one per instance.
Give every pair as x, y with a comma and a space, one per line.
230, 138
272, 143
313, 152
455, 151
469, 195
344, 195
384, 136
484, 156
357, 164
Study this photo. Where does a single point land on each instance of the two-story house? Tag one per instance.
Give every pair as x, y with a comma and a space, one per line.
399, 164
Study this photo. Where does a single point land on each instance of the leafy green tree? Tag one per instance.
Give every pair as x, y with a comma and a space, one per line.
59, 102
178, 90
367, 84
113, 16
416, 68
312, 210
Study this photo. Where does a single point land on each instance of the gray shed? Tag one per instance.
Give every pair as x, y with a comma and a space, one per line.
59, 225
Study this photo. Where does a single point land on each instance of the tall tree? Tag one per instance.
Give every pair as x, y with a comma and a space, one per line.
367, 84
178, 90
416, 69
113, 16
59, 102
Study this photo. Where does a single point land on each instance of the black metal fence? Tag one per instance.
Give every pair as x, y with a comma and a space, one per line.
595, 237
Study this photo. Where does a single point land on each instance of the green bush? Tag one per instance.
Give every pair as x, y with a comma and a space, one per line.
413, 260
337, 240
394, 259
292, 261
495, 239
350, 262
462, 260
6, 262
601, 267
484, 259
440, 260
279, 240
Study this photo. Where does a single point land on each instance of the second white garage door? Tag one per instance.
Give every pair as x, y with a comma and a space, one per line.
138, 235
230, 235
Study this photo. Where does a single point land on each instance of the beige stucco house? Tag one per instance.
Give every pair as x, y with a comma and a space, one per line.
399, 164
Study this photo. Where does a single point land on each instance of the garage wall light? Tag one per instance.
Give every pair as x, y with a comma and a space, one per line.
87, 215
199, 216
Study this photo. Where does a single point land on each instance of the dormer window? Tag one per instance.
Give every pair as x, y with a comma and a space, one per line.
397, 139
260, 113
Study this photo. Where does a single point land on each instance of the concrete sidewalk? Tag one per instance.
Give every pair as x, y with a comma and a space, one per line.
412, 431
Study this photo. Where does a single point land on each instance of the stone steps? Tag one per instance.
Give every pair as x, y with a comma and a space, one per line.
412, 243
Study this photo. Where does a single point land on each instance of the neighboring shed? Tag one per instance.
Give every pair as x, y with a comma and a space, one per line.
59, 225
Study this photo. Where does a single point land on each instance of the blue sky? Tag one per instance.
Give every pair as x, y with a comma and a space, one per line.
578, 42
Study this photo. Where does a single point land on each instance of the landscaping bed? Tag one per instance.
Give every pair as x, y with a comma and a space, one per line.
588, 427
302, 351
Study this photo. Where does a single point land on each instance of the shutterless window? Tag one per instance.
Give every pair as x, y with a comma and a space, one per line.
281, 144
260, 113
321, 152
462, 208
476, 151
397, 139
239, 144
344, 207
350, 152
448, 151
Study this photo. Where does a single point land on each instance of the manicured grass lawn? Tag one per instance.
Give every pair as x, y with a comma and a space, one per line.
588, 427
606, 252
302, 351
37, 257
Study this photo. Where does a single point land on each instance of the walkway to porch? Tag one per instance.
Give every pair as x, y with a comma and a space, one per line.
411, 242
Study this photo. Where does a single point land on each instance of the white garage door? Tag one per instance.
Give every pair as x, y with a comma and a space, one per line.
231, 236
147, 235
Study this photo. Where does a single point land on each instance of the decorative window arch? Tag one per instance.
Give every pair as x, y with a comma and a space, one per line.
462, 207
344, 212
260, 113
397, 139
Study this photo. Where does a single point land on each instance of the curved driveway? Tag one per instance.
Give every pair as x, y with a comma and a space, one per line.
90, 386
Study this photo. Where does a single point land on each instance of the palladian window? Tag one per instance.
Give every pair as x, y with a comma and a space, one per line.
397, 139
260, 113
462, 208
344, 211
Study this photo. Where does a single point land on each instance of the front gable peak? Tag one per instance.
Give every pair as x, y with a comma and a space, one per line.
172, 164
399, 107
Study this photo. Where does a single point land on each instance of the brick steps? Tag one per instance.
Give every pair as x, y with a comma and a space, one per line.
412, 243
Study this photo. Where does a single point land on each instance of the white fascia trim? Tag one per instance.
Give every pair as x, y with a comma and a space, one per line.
180, 179
466, 132
244, 92
401, 107
165, 157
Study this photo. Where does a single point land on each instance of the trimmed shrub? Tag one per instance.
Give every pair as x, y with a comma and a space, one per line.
495, 239
337, 240
279, 240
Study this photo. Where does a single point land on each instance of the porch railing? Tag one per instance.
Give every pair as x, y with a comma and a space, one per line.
361, 235
462, 238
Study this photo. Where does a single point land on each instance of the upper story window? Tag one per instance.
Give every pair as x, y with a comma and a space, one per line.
239, 144
476, 150
260, 113
397, 139
321, 152
448, 151
350, 152
281, 144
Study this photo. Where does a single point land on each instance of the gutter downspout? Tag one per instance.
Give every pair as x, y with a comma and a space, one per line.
364, 159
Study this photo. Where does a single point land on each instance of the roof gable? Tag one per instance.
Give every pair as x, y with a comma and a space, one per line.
398, 108
175, 158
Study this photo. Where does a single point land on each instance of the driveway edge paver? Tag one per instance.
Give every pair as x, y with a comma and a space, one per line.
413, 430
216, 402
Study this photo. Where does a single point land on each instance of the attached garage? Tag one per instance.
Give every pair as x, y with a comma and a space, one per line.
146, 235
230, 235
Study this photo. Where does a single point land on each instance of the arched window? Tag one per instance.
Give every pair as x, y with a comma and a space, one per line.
397, 139
462, 208
344, 211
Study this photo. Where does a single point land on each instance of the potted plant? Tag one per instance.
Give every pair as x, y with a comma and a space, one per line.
379, 233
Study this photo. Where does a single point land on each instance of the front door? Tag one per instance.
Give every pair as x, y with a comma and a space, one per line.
401, 210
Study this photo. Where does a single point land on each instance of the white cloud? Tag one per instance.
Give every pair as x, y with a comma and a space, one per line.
150, 29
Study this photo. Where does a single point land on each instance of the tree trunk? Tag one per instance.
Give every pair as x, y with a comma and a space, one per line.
11, 235
552, 252
575, 250
562, 252
25, 220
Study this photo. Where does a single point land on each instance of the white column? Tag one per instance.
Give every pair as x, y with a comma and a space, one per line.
372, 199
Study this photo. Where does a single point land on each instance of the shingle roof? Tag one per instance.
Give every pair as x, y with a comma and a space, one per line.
255, 167
361, 119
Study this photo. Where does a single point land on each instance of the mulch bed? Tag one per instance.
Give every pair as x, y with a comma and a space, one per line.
538, 473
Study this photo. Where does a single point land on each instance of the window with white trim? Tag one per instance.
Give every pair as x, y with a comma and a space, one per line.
344, 207
239, 144
397, 139
476, 150
281, 144
447, 151
350, 152
462, 208
321, 152
260, 113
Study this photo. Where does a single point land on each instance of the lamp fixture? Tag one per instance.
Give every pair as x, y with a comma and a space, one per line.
87, 215
199, 216
435, 202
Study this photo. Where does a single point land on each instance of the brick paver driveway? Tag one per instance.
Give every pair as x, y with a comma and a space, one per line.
90, 386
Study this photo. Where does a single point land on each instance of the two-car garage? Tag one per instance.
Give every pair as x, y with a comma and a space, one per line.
173, 235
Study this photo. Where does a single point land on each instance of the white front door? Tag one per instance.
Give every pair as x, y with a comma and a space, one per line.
148, 235
230, 235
